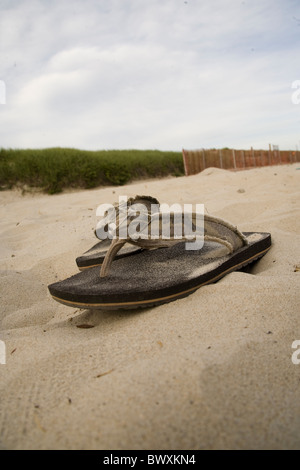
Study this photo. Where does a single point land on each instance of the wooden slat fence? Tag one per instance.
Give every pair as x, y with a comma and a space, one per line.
196, 161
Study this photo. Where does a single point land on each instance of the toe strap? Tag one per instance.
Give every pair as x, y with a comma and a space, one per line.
213, 229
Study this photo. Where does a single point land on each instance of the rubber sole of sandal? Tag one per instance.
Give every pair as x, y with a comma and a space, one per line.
157, 277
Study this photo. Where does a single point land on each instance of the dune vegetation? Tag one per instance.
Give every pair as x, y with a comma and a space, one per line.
53, 170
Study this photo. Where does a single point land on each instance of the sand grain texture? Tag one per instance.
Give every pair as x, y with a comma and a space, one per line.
211, 371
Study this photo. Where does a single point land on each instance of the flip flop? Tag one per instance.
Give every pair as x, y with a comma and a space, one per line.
95, 255
157, 276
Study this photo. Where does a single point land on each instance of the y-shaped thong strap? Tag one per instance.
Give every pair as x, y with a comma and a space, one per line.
215, 230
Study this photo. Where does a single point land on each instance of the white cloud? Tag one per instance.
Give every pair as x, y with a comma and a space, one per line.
157, 74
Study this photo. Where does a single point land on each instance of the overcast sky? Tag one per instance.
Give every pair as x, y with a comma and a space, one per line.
149, 74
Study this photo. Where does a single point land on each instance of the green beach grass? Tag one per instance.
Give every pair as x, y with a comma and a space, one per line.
53, 170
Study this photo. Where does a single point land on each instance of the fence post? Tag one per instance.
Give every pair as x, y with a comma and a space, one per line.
253, 157
203, 159
243, 158
269, 154
185, 163
198, 164
233, 156
192, 162
221, 159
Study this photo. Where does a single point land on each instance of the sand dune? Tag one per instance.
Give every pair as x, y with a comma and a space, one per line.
211, 371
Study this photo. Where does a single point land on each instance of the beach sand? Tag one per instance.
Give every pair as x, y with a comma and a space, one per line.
211, 371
